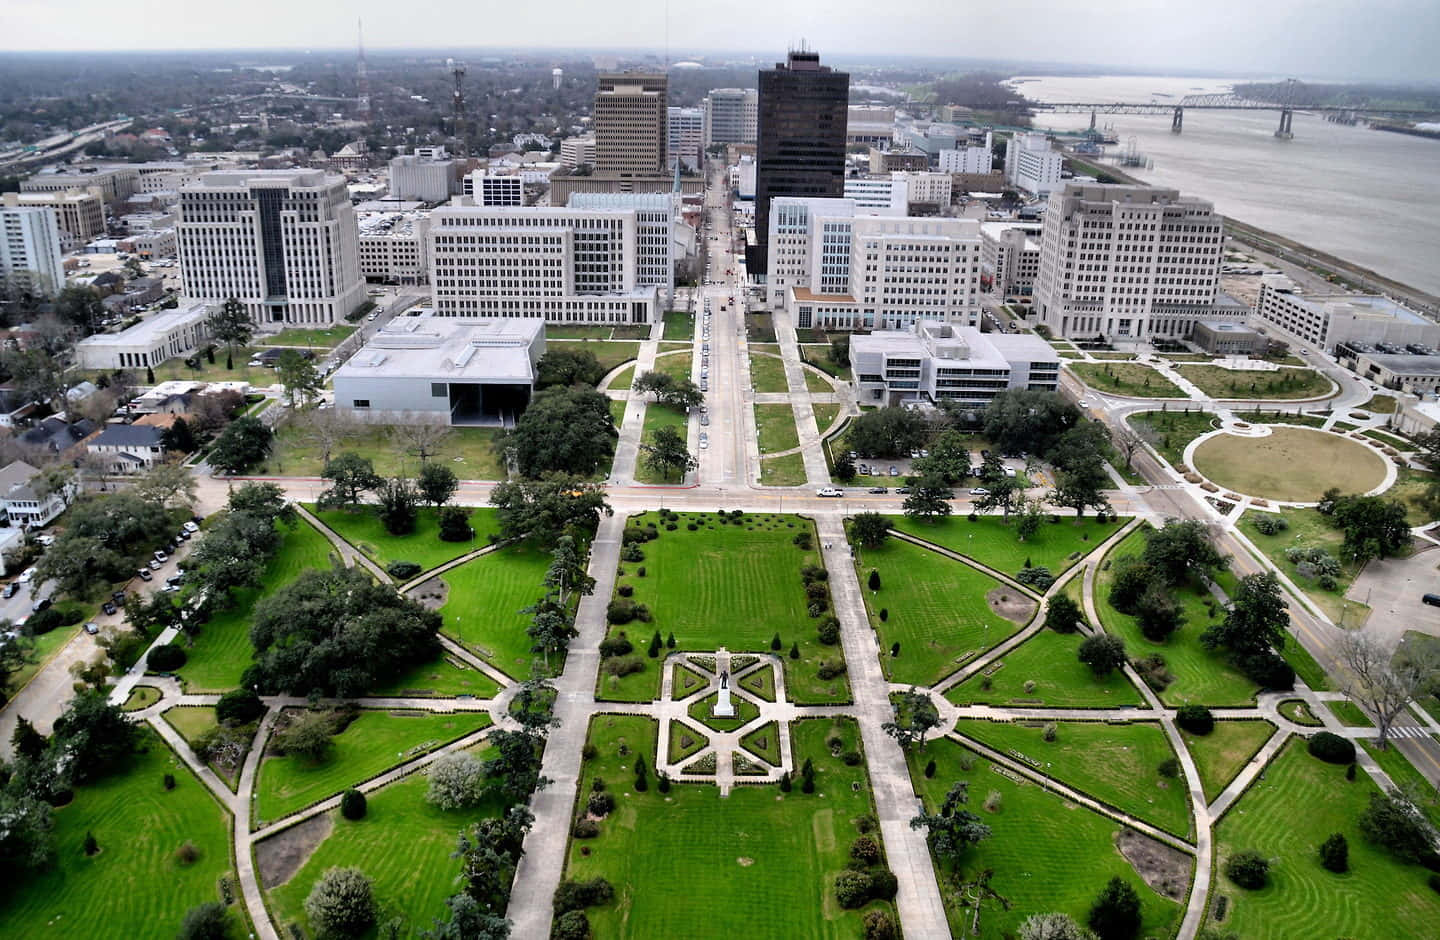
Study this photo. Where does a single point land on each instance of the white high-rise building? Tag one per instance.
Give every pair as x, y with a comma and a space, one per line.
30, 256
969, 159
732, 116
427, 176
285, 243
1031, 164
884, 195
497, 189
833, 267
928, 189
686, 129
577, 151
1127, 262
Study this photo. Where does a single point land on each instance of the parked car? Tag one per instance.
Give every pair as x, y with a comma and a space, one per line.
26, 576
160, 556
879, 489
1432, 599
10, 590
109, 609
154, 566
118, 597
828, 491
979, 491
42, 604
92, 628
903, 490
144, 574
894, 471
191, 527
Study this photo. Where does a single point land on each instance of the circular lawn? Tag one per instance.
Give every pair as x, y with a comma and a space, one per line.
1289, 464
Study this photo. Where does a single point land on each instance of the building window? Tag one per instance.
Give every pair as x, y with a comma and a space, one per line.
438, 390
361, 403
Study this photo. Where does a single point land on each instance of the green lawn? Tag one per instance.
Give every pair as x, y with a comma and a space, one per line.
328, 338
1219, 382
1125, 378
767, 373
1114, 763
1299, 712
937, 611
1349, 714
1047, 659
617, 411
622, 379
1046, 853
445, 676
608, 353
764, 742
775, 425
192, 721
1170, 432
690, 854
1201, 676
1224, 752
222, 651
1291, 464
684, 741
726, 585
134, 887
1309, 529
373, 742
990, 541
703, 711
815, 382
1410, 487
679, 324
141, 697
1381, 404
404, 844
467, 451
483, 608
363, 529
243, 372
659, 416
819, 356
825, 415
1404, 775
678, 365
1287, 814
783, 471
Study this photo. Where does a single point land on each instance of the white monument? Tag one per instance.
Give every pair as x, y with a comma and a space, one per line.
724, 708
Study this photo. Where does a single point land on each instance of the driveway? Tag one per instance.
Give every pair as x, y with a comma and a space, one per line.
1393, 587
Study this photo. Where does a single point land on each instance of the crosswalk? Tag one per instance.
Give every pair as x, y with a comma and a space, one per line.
1409, 732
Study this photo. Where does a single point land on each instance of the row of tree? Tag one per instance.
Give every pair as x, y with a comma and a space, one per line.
397, 499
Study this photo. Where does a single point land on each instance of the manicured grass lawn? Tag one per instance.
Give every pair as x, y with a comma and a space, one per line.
1224, 752
1061, 681
703, 711
684, 741
659, 416
1291, 464
608, 353
1125, 378
363, 529
142, 696
329, 337
764, 742
617, 412
467, 451
1047, 854
483, 608
445, 676
1309, 529
1113, 763
1287, 814
757, 863
775, 425
937, 611
1404, 775
623, 379
192, 721
816, 383
990, 541
1170, 432
679, 324
222, 651
820, 357
134, 887
46, 645
731, 585
1218, 382
1201, 676
243, 371
1305, 665
767, 373
1298, 712
1283, 417
1381, 404
783, 471
403, 844
571, 331
825, 415
373, 742
678, 364
1349, 714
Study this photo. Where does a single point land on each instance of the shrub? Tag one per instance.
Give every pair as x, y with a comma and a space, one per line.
830, 669
585, 828
577, 895
993, 801
1395, 824
621, 610
817, 591
1331, 748
239, 707
1049, 732
1267, 524
656, 644
625, 590
883, 884
829, 631
851, 758
1195, 718
623, 665
403, 570
1039, 578
187, 853
168, 781
1435, 883
884, 614
874, 582
775, 643
880, 925
1269, 670
785, 782
165, 658
600, 804
457, 780
1335, 854
632, 552
90, 846
571, 925
1115, 915
1248, 869
865, 849
930, 770
811, 573
619, 645
455, 524
353, 804
205, 922
852, 889
818, 608
794, 650
1169, 768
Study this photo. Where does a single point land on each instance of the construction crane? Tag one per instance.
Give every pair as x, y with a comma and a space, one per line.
457, 102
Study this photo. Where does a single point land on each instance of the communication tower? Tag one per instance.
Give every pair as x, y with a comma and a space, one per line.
457, 102
362, 78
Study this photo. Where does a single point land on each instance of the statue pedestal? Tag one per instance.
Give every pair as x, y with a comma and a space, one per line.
724, 708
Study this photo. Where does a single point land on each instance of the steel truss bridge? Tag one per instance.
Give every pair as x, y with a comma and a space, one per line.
1177, 109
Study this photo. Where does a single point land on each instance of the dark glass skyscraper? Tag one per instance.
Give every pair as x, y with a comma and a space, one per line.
800, 147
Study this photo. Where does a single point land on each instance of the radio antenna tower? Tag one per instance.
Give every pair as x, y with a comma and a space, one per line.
362, 78
457, 101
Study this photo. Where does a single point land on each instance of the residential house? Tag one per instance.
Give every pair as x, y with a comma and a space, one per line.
22, 506
54, 436
128, 448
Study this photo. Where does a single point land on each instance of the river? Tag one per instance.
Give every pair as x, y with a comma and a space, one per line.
1370, 197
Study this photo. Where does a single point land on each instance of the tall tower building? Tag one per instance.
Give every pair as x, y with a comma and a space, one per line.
800, 139
630, 127
731, 115
30, 257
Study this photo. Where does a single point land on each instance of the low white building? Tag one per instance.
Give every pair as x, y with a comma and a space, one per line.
429, 177
968, 159
443, 370
164, 335
1010, 257
497, 189
883, 195
934, 361
21, 506
1325, 320
927, 189
577, 151
393, 247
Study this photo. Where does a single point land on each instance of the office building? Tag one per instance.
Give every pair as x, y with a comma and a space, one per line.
800, 142
394, 247
929, 192
1031, 165
443, 370
932, 361
870, 126
686, 137
833, 267
429, 177
630, 124
654, 233
1403, 372
30, 255
577, 151
285, 243
731, 116
1223, 338
79, 213
890, 161
968, 159
886, 195
1325, 320
178, 332
497, 189
1009, 257
115, 183
1128, 263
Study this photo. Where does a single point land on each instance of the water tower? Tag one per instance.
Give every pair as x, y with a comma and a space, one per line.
555, 76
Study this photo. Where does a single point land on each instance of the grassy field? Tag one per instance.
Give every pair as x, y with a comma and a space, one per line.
659, 416
483, 608
1170, 432
819, 357
1410, 486
1113, 763
679, 324
192, 721
1349, 714
1201, 676
775, 425
373, 742
1125, 378
141, 697
815, 382
937, 611
1309, 529
757, 863
1404, 775
1047, 659
1299, 712
1284, 384
1381, 404
622, 379
1046, 853
444, 677
990, 541
1224, 752
617, 412
365, 531
783, 471
678, 364
825, 415
726, 585
222, 651
404, 844
176, 369
1285, 816
607, 352
134, 887
327, 338
767, 372
467, 451
1291, 464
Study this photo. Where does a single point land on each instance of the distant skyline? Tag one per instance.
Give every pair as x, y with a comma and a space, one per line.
1389, 40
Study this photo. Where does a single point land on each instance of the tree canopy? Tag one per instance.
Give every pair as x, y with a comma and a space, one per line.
1023, 421
887, 432
544, 510
562, 366
564, 430
1257, 618
242, 445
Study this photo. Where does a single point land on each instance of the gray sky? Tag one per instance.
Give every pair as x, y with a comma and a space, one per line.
1394, 39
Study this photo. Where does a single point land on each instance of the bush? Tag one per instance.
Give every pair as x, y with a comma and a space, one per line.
817, 591
1267, 524
1331, 748
621, 610
623, 665
811, 573
851, 758
585, 828
578, 895
616, 646
1115, 915
1248, 869
165, 658
625, 590
880, 925
571, 925
187, 853
239, 707
1039, 578
1395, 824
1195, 718
43, 622
1049, 732
883, 884
205, 922
353, 805
1435, 883
1269, 670
632, 552
830, 669
852, 889
455, 524
866, 850
874, 582
1169, 768
930, 770
829, 631
90, 846
600, 804
1335, 854
403, 570
884, 614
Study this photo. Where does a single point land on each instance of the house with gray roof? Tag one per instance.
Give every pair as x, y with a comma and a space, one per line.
128, 448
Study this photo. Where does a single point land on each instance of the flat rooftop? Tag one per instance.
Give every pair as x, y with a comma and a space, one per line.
1406, 365
454, 349
149, 330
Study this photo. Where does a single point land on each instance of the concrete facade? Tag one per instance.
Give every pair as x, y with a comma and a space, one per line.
394, 247
424, 178
730, 116
31, 260
161, 336
934, 361
79, 213
1222, 338
630, 124
1010, 257
577, 151
685, 137
1031, 165
1325, 320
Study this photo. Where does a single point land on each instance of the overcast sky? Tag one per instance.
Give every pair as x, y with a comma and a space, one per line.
1395, 39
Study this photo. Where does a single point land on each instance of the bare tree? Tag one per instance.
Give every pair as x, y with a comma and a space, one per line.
1127, 442
325, 429
419, 437
1383, 683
